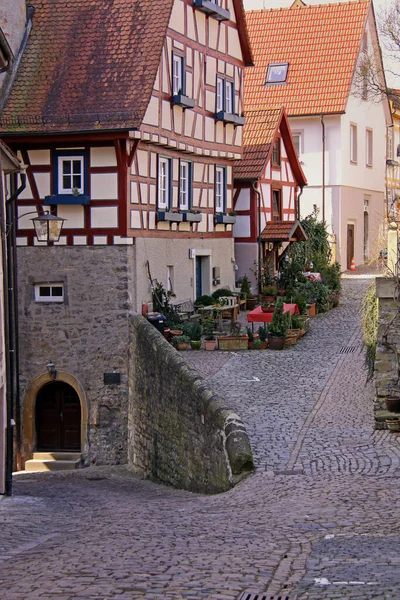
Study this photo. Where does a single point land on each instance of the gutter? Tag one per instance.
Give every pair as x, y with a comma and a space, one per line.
259, 265
298, 202
323, 167
28, 27
8, 218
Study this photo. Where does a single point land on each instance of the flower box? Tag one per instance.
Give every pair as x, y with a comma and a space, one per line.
184, 101
229, 342
225, 219
213, 9
191, 217
165, 215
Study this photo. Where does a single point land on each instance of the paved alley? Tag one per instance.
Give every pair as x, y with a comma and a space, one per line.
319, 519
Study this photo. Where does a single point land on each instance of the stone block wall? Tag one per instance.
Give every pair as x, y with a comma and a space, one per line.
387, 382
85, 336
179, 431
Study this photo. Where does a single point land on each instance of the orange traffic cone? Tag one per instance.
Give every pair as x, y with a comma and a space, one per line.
353, 265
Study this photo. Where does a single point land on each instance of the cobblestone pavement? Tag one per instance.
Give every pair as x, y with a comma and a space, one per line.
319, 519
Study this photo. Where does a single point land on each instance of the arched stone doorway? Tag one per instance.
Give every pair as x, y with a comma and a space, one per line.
58, 418
30, 442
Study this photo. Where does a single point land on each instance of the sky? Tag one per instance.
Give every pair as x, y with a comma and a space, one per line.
378, 5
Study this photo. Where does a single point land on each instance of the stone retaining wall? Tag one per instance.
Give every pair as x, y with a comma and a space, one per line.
179, 431
388, 344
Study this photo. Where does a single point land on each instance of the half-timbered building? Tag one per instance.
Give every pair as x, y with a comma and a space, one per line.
268, 183
128, 115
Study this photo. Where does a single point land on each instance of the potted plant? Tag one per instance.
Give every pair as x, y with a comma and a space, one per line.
210, 341
268, 307
269, 293
250, 336
393, 424
194, 332
234, 341
295, 325
256, 345
278, 327
262, 334
181, 342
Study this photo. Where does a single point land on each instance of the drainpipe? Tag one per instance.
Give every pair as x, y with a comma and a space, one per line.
11, 320
323, 167
4, 96
259, 273
298, 202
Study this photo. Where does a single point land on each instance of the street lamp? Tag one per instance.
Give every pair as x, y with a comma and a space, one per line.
48, 227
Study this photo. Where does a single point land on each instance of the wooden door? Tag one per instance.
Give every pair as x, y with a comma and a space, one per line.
350, 244
58, 418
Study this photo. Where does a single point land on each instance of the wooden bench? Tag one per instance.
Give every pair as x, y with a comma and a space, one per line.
232, 302
185, 309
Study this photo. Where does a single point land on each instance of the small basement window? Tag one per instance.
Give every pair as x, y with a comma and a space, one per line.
49, 292
277, 73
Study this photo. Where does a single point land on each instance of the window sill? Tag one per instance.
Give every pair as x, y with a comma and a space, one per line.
275, 166
192, 217
184, 101
166, 215
67, 199
225, 219
230, 118
212, 9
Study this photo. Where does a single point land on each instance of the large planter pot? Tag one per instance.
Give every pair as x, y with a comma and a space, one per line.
175, 332
182, 346
393, 425
210, 344
268, 299
263, 345
195, 344
291, 338
229, 342
392, 404
276, 343
268, 309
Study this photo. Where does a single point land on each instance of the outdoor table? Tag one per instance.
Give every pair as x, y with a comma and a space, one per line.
217, 311
258, 316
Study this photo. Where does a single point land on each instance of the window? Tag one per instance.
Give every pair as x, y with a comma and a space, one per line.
297, 143
170, 279
276, 153
277, 73
353, 143
389, 143
225, 96
220, 189
369, 147
276, 205
185, 184
164, 182
70, 175
49, 292
177, 74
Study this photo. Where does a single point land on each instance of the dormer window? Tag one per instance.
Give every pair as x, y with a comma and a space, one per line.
277, 73
276, 153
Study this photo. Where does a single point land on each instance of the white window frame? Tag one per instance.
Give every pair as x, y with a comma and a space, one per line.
353, 143
50, 297
225, 95
220, 94
177, 74
220, 189
298, 147
389, 144
184, 184
274, 68
369, 147
71, 159
164, 184
170, 279
229, 98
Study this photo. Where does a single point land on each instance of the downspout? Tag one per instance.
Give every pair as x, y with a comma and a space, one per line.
323, 168
11, 320
259, 247
298, 202
29, 22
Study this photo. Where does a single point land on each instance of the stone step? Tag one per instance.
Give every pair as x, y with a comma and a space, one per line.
56, 455
53, 461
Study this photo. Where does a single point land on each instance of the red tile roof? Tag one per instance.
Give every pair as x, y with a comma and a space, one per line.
283, 231
259, 132
88, 65
320, 43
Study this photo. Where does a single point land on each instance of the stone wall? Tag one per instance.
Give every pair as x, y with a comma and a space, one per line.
85, 336
180, 432
388, 344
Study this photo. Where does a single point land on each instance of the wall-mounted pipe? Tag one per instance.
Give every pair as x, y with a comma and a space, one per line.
259, 243
323, 167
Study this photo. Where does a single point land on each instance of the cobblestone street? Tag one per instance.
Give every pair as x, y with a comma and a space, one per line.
319, 519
